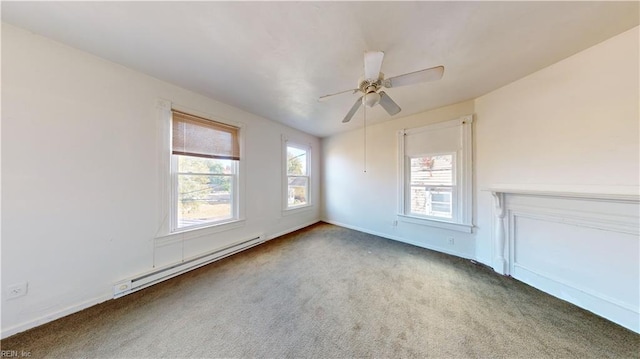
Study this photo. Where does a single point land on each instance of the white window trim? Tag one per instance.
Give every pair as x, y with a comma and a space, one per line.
464, 167
286, 209
459, 227
167, 191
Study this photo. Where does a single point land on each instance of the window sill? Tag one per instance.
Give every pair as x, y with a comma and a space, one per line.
459, 227
296, 210
191, 233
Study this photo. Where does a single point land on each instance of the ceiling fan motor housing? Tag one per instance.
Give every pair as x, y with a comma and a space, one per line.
373, 80
365, 84
370, 90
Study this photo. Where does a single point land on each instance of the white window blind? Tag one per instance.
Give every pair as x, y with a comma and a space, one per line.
435, 139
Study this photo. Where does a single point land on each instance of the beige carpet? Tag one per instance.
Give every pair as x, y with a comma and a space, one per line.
329, 292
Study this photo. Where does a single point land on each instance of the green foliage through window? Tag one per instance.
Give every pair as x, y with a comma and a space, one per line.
205, 187
297, 177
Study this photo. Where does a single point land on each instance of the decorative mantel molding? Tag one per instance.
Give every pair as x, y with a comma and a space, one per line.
625, 194
608, 193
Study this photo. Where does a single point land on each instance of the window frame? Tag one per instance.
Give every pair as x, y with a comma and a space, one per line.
462, 190
167, 216
286, 143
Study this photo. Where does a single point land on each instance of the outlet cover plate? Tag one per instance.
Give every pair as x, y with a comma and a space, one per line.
17, 290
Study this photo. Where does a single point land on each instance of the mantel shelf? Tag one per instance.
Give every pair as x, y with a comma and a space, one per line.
611, 193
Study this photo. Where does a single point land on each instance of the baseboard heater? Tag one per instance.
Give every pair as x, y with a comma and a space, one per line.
143, 281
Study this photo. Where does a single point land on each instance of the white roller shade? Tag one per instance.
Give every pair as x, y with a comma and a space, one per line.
444, 139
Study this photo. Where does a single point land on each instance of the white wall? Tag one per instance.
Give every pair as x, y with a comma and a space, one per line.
368, 201
81, 176
575, 123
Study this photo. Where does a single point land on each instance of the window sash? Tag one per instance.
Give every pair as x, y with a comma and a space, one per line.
306, 191
432, 173
415, 181
429, 192
175, 203
303, 157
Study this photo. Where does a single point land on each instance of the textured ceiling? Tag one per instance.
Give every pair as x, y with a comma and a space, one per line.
275, 59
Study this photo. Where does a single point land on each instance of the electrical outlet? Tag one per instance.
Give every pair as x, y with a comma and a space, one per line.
17, 290
451, 241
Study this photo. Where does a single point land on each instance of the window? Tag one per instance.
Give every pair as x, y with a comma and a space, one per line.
205, 158
432, 184
435, 175
297, 175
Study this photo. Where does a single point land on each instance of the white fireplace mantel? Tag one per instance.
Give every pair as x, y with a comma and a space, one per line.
609, 193
598, 193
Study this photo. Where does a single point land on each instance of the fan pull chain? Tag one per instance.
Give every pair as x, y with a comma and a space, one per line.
364, 108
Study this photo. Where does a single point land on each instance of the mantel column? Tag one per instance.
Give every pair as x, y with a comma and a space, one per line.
499, 238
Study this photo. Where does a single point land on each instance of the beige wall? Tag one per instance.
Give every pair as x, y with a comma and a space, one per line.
572, 124
368, 201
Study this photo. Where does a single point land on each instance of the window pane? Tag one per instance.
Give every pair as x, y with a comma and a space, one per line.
431, 201
441, 202
189, 164
431, 182
419, 200
298, 188
296, 161
204, 198
432, 170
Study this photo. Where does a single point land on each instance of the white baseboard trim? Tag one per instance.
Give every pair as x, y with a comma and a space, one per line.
293, 229
400, 239
7, 332
601, 305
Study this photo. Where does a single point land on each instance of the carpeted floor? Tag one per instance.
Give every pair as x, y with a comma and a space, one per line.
330, 292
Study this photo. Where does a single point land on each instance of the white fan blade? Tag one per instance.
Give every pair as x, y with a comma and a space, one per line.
353, 110
372, 65
322, 98
388, 104
432, 74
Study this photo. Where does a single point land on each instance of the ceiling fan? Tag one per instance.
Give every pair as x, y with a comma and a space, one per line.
374, 80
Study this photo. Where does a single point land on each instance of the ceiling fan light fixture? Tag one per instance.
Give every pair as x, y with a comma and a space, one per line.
373, 80
371, 99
